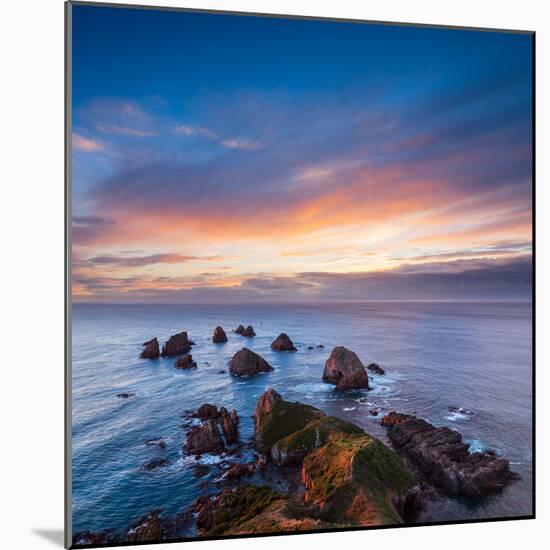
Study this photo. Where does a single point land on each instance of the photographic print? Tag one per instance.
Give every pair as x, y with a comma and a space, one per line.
300, 292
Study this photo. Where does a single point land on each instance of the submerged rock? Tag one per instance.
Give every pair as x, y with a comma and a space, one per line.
445, 460
344, 369
158, 441
155, 463
248, 332
239, 329
205, 438
178, 344
283, 343
219, 336
248, 363
125, 395
151, 349
377, 369
230, 425
185, 362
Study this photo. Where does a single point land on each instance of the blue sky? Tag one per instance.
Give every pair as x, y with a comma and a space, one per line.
219, 157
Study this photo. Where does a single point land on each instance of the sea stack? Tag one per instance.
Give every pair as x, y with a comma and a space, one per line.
283, 343
178, 344
239, 329
344, 369
248, 363
248, 332
219, 336
150, 349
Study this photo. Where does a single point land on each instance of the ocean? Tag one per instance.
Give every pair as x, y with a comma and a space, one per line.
437, 355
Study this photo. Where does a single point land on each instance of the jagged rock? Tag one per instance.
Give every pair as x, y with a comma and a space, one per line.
185, 362
204, 439
206, 411
248, 332
238, 471
178, 344
445, 460
248, 363
344, 369
283, 343
377, 369
219, 336
151, 349
155, 463
239, 329
320, 346
229, 424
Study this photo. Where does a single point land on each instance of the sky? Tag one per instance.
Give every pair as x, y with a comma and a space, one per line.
222, 159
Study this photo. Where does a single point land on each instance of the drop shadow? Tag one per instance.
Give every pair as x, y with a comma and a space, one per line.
55, 536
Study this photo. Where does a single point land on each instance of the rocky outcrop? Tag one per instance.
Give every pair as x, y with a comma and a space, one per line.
283, 343
445, 460
206, 411
230, 425
150, 349
219, 336
248, 363
250, 510
239, 329
377, 369
344, 369
238, 471
185, 362
276, 419
248, 332
178, 344
205, 438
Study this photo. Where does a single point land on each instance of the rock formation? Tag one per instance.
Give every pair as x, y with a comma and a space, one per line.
185, 362
344, 369
248, 363
205, 438
150, 349
178, 344
206, 411
239, 329
219, 336
445, 460
248, 332
283, 343
230, 425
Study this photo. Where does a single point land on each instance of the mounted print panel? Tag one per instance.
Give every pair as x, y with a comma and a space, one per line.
301, 295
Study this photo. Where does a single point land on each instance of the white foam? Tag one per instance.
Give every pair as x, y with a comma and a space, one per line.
349, 408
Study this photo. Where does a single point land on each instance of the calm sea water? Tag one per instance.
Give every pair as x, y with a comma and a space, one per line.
437, 355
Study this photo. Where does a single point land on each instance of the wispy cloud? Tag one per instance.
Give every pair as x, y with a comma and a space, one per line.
88, 145
228, 142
